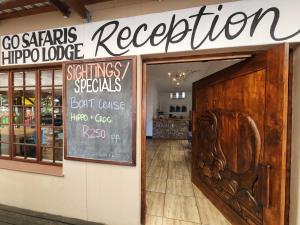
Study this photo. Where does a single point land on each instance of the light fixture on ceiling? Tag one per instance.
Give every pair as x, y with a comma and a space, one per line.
177, 78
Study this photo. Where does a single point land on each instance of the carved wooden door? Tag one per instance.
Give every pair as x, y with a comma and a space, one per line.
240, 138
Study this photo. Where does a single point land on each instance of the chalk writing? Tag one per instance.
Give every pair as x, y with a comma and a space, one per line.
100, 110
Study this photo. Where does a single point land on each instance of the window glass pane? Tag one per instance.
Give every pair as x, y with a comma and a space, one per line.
47, 154
30, 151
46, 97
18, 136
30, 135
30, 78
18, 78
29, 98
22, 151
19, 150
4, 79
58, 117
46, 116
58, 77
3, 97
58, 137
4, 110
47, 136
4, 133
18, 96
57, 96
29, 114
46, 78
4, 149
4, 115
58, 154
18, 115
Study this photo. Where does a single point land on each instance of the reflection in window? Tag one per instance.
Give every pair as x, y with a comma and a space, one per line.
4, 115
33, 93
51, 116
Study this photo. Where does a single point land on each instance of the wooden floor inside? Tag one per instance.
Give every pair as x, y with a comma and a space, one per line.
171, 197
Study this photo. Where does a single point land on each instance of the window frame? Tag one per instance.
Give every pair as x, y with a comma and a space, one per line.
38, 71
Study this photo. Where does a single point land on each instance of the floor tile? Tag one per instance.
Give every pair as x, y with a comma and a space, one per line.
176, 155
178, 172
153, 220
180, 187
156, 184
171, 197
209, 214
181, 208
198, 193
155, 203
162, 155
159, 163
158, 172
167, 221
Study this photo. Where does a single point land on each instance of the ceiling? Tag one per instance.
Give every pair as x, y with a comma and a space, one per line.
158, 74
19, 8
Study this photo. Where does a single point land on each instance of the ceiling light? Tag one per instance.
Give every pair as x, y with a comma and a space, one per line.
179, 77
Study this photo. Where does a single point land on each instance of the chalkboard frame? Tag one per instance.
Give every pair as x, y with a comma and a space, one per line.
133, 60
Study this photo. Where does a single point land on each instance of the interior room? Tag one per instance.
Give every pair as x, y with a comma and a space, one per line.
171, 197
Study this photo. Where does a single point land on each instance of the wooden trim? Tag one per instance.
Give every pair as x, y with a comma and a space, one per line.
79, 8
289, 138
132, 162
37, 86
10, 92
63, 8
18, 68
38, 168
144, 145
19, 3
276, 130
197, 58
28, 12
38, 115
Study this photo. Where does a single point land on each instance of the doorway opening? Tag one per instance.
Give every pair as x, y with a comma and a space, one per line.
169, 141
196, 110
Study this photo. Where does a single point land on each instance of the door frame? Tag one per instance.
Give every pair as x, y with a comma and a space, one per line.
166, 59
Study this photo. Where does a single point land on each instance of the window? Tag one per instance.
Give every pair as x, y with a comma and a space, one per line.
31, 116
177, 95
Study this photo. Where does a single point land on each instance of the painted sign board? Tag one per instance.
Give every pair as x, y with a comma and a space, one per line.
234, 24
101, 110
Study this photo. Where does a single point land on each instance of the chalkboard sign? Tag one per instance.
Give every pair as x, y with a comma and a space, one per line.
100, 110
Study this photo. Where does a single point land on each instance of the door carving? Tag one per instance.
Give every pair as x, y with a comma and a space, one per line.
236, 184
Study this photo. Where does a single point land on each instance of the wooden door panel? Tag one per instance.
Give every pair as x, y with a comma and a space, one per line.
232, 112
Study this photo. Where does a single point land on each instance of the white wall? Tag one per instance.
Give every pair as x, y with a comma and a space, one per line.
295, 170
165, 102
152, 104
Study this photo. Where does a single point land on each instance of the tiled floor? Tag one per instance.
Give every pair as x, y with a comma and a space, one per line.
171, 197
